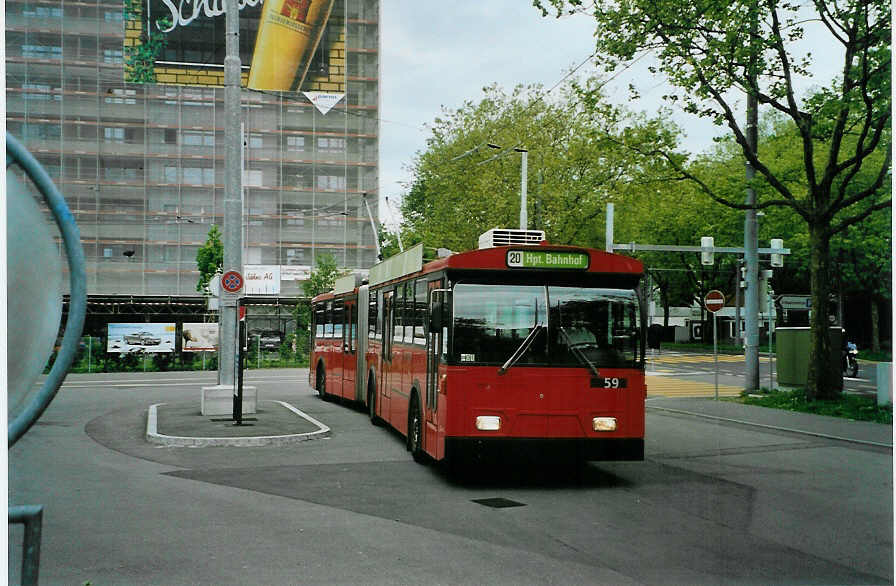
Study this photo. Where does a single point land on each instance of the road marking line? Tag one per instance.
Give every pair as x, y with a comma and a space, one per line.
685, 388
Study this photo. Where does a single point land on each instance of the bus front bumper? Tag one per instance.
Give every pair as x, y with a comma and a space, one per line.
597, 449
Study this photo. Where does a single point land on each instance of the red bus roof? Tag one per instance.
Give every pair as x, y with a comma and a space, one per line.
497, 259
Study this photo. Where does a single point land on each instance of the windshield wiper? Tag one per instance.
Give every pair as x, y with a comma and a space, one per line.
577, 352
514, 358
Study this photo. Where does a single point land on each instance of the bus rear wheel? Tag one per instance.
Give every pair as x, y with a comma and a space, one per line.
371, 407
321, 383
415, 431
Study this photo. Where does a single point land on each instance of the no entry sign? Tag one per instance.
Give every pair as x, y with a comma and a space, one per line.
232, 281
714, 300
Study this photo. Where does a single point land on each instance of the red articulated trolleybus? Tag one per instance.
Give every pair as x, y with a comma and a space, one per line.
517, 345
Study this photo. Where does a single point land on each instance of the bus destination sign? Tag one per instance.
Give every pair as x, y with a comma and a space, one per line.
546, 259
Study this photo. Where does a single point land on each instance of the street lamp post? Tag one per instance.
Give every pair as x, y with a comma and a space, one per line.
524, 173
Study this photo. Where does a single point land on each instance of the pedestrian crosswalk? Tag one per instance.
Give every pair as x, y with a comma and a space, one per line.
695, 358
666, 386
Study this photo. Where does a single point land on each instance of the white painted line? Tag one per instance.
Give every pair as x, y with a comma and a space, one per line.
153, 436
180, 382
774, 427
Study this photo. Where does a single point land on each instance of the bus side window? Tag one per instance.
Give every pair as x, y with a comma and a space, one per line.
421, 311
398, 312
328, 328
319, 321
388, 323
337, 319
379, 316
349, 333
372, 316
353, 324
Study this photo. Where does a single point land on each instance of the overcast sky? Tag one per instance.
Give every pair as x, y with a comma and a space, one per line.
436, 53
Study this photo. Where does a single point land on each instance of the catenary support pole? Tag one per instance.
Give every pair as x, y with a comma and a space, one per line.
233, 212
608, 243
751, 243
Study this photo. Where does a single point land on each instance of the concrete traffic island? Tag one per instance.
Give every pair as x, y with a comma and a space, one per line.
274, 423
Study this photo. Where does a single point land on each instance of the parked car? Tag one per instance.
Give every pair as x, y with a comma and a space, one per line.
142, 339
270, 340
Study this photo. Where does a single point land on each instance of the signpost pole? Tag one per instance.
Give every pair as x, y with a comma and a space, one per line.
714, 301
715, 348
238, 375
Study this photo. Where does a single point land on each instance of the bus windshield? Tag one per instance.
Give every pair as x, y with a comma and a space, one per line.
582, 326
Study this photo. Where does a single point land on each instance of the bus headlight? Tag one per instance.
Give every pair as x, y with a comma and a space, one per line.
488, 423
604, 424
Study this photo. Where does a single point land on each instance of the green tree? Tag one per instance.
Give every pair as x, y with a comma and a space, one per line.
209, 258
577, 162
863, 269
712, 52
321, 280
140, 58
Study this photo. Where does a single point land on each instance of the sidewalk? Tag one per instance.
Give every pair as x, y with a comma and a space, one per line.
274, 423
819, 425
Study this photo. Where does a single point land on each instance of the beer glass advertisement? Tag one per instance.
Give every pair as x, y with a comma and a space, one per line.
285, 45
199, 337
141, 337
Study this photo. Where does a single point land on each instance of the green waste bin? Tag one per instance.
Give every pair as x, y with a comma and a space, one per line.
793, 356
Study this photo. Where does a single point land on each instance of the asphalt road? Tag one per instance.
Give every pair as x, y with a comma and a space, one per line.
701, 368
713, 503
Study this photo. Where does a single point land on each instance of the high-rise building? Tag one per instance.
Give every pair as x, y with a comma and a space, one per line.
141, 165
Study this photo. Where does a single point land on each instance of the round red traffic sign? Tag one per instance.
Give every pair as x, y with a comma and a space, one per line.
232, 281
714, 300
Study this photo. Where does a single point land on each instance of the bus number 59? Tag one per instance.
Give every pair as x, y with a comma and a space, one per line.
614, 383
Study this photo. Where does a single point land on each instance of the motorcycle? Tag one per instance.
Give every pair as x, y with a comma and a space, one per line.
849, 362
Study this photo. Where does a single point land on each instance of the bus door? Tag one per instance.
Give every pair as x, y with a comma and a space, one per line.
349, 342
399, 375
336, 358
434, 341
385, 394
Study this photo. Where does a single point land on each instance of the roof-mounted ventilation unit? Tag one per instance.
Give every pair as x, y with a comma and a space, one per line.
509, 237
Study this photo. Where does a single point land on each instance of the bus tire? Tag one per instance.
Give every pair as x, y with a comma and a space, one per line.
415, 431
321, 382
371, 405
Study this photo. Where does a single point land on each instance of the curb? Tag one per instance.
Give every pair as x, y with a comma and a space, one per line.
774, 427
154, 437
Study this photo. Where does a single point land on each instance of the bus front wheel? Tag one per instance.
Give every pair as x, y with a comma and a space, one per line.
415, 431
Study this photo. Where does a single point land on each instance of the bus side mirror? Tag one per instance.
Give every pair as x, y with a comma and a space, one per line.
435, 317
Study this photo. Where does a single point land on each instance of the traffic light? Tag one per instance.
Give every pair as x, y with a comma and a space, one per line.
706, 256
764, 277
777, 259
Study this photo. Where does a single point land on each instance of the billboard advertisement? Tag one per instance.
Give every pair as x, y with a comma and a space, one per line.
262, 279
141, 337
199, 337
295, 272
285, 45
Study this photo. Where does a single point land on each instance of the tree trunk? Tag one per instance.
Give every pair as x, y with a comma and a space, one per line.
875, 326
824, 373
664, 297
